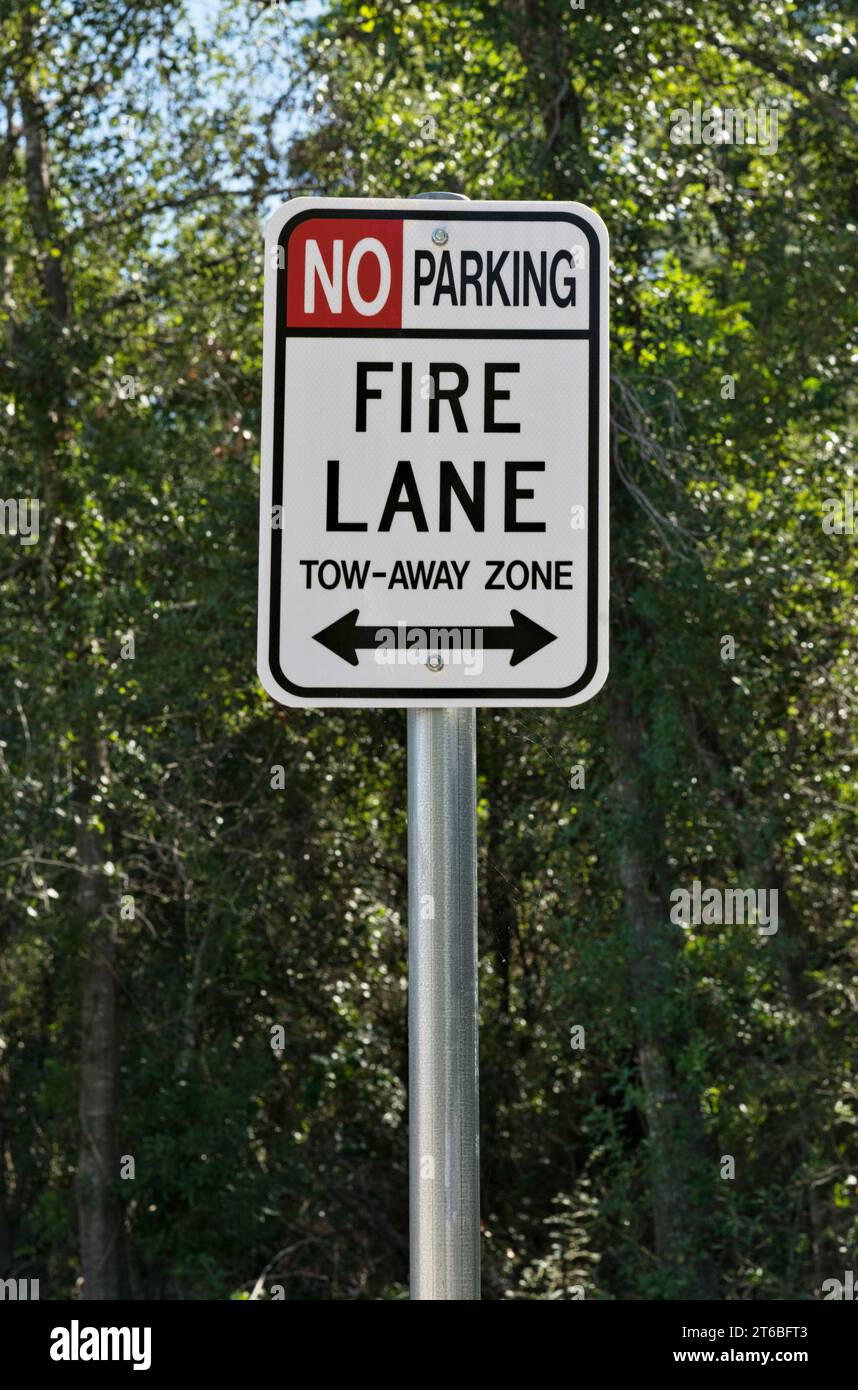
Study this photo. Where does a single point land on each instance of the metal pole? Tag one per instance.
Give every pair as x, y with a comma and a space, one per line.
443, 1043
444, 1176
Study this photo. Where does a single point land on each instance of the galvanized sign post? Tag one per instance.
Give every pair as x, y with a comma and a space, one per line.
433, 536
443, 1001
443, 1088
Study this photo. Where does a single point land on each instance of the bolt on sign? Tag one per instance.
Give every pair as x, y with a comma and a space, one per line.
434, 500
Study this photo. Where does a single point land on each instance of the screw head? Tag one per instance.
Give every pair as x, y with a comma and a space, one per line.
440, 236
435, 662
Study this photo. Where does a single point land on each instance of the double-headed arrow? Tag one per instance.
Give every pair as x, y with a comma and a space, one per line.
345, 637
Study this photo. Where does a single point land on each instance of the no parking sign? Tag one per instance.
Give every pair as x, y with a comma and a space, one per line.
434, 454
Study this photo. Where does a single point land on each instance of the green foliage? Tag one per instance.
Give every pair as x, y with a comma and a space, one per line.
167, 137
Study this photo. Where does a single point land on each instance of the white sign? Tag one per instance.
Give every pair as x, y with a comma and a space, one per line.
434, 500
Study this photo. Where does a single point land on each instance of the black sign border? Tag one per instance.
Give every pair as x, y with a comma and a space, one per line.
278, 452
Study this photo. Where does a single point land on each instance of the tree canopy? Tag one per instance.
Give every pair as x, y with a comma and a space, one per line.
203, 1051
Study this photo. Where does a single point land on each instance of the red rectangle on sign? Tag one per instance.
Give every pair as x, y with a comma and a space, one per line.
344, 272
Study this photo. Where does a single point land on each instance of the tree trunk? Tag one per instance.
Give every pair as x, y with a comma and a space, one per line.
674, 1126
546, 43
100, 1215
6, 1242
